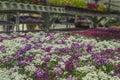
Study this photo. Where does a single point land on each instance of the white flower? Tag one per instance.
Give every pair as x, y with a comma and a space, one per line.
115, 78
86, 69
31, 68
66, 58
99, 75
85, 57
62, 64
17, 76
4, 74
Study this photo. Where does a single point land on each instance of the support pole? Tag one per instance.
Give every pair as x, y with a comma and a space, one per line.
47, 17
76, 17
5, 27
46, 23
67, 22
17, 21
109, 5
96, 21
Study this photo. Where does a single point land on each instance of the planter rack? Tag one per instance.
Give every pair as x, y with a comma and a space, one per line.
17, 8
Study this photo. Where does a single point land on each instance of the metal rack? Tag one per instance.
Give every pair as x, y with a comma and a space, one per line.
17, 8
13, 7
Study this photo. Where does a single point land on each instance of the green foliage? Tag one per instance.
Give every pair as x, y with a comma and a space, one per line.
56, 2
101, 7
106, 68
114, 24
77, 74
79, 3
76, 3
7, 64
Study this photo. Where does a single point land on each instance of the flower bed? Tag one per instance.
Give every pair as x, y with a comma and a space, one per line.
115, 27
105, 33
57, 56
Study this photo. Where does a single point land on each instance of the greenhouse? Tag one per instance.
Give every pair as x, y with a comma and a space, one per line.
59, 39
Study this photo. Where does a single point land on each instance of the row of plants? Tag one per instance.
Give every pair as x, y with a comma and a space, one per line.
114, 24
78, 3
115, 27
102, 33
58, 56
30, 19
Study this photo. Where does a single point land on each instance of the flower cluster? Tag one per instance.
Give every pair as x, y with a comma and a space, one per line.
106, 33
58, 56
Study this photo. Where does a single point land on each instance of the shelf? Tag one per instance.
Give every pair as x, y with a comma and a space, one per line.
6, 23
12, 7
31, 22
18, 8
88, 12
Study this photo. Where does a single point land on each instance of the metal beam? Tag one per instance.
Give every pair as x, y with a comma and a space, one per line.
12, 6
17, 20
25, 8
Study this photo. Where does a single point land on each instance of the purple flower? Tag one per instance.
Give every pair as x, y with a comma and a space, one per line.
21, 51
57, 50
22, 35
48, 48
68, 50
18, 56
77, 64
28, 46
58, 70
110, 51
28, 37
36, 47
89, 48
1, 38
9, 59
1, 61
76, 56
62, 42
23, 41
75, 46
44, 64
69, 66
29, 58
25, 36
46, 58
117, 71
2, 49
118, 49
118, 67
41, 74
22, 63
118, 55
